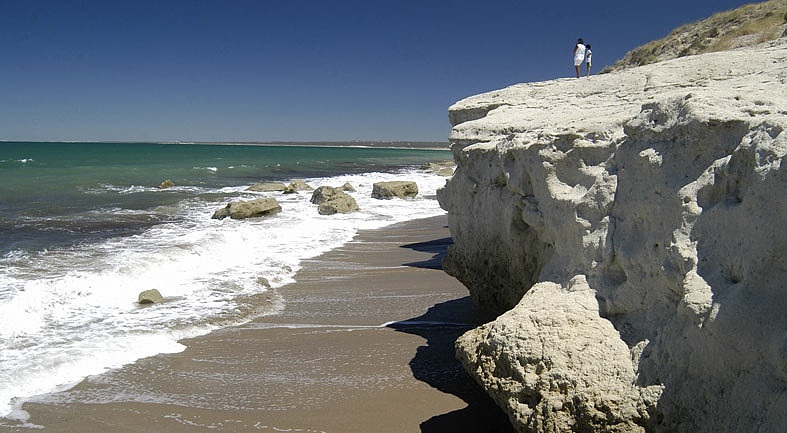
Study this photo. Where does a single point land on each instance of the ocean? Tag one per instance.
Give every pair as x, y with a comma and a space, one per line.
84, 228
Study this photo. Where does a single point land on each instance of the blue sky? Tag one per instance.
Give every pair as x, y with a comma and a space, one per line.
295, 70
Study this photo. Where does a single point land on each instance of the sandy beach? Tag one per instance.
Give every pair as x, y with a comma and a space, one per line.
364, 343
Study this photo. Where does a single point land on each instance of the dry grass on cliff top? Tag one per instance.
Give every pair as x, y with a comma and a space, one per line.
747, 25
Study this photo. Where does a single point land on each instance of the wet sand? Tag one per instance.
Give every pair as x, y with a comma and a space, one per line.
363, 344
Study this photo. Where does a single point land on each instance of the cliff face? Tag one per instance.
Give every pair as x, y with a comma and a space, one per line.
631, 229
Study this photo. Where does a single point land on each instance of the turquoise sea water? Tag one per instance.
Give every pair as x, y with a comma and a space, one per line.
84, 228
60, 192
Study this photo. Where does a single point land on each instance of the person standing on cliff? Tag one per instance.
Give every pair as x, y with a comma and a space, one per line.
588, 58
579, 55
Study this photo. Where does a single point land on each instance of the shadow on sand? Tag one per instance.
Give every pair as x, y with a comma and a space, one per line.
437, 248
435, 363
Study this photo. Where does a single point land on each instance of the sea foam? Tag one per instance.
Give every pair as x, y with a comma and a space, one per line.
72, 312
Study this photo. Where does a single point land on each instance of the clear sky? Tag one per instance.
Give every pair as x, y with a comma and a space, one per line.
295, 70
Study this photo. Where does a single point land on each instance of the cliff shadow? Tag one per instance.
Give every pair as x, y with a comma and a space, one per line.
436, 365
437, 247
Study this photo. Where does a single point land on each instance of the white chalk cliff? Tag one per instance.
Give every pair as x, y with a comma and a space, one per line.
631, 229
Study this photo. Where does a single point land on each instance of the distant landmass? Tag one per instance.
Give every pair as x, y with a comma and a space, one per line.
437, 145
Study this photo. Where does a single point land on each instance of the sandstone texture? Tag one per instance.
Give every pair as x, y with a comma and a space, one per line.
630, 228
248, 209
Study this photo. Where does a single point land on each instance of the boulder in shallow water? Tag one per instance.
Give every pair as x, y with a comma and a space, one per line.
396, 188
344, 204
168, 183
324, 193
151, 296
248, 209
267, 187
440, 168
637, 246
297, 185
333, 200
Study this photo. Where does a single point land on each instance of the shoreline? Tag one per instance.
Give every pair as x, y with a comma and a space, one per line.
364, 343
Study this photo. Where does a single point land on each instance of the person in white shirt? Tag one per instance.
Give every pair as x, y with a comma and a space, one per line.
588, 58
579, 55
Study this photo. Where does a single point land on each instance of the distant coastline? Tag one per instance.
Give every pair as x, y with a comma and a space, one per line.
424, 145
421, 145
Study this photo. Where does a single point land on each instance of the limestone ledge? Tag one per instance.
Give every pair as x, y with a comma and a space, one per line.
631, 230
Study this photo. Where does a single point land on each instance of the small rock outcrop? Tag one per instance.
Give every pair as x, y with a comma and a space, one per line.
267, 187
394, 189
151, 296
332, 200
167, 183
248, 209
296, 186
440, 168
347, 187
630, 230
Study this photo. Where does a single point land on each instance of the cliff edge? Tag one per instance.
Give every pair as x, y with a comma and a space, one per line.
630, 230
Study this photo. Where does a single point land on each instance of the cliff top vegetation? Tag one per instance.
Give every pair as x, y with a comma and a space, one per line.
747, 25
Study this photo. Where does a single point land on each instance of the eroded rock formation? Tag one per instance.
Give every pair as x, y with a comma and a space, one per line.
440, 168
248, 209
267, 187
296, 186
394, 188
630, 229
331, 200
